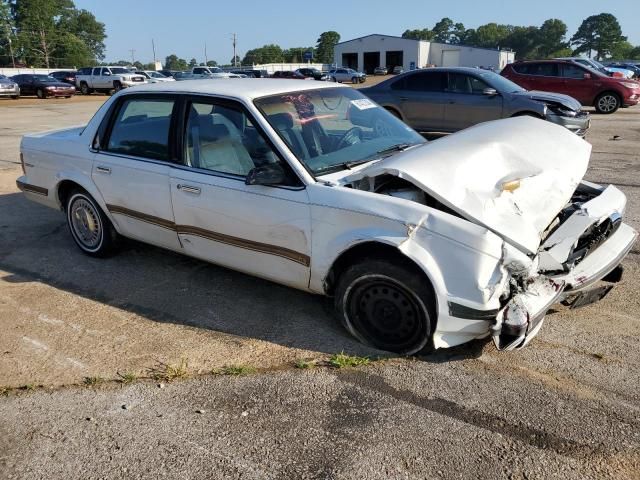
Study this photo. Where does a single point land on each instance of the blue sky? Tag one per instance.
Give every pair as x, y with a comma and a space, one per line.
182, 27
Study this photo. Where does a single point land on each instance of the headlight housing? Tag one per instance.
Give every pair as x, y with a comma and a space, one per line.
561, 110
631, 84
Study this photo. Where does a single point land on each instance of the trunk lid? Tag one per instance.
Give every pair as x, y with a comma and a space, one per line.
467, 172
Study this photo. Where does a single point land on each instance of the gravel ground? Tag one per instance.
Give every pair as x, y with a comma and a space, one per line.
568, 405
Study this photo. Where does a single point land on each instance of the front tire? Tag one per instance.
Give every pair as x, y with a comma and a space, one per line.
607, 102
386, 306
90, 228
117, 86
40, 93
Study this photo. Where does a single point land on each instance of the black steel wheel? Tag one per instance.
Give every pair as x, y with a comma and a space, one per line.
387, 306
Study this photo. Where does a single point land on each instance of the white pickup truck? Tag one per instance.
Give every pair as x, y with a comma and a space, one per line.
106, 79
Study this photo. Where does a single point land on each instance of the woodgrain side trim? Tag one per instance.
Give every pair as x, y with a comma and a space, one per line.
243, 243
26, 187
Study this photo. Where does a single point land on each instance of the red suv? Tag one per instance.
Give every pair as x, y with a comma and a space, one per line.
587, 86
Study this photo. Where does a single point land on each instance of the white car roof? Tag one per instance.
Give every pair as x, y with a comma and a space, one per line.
241, 88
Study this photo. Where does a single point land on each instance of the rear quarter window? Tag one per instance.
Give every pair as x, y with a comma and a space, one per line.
141, 128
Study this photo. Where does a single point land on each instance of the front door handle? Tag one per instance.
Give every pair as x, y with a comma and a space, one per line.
189, 189
106, 170
404, 99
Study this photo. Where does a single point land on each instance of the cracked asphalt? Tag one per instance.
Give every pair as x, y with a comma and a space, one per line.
566, 406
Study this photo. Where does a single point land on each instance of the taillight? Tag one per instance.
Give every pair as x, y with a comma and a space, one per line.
22, 163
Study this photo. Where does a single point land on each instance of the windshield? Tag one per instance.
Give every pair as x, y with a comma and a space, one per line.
332, 129
119, 70
44, 78
500, 83
155, 75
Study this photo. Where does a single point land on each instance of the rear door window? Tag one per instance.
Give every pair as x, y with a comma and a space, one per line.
543, 69
572, 71
141, 128
425, 82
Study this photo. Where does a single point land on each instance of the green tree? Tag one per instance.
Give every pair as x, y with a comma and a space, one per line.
86, 28
212, 63
598, 33
445, 31
491, 35
172, 62
634, 54
7, 35
551, 38
192, 63
417, 34
524, 41
265, 54
621, 51
325, 45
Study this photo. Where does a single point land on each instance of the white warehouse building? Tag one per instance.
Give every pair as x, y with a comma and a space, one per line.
366, 53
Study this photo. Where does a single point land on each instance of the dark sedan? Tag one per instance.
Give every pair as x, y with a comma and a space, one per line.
43, 86
450, 99
65, 76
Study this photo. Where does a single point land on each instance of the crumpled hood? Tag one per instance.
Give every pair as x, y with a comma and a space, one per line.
466, 171
564, 100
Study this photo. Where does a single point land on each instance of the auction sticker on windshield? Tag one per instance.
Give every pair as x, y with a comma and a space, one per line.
363, 103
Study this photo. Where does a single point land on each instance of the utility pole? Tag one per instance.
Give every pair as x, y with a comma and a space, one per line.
235, 37
153, 45
133, 51
206, 59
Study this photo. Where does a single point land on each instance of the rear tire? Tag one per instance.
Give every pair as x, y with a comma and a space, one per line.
84, 89
387, 306
117, 86
90, 228
354, 80
607, 102
40, 93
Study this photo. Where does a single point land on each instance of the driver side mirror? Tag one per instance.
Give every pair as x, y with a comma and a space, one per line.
490, 92
269, 174
586, 76
106, 73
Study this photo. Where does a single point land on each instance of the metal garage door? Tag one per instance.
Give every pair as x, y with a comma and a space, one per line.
451, 58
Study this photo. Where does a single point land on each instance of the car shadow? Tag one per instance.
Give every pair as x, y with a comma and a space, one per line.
167, 287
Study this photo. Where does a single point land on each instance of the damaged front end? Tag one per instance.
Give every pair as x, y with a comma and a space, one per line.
583, 245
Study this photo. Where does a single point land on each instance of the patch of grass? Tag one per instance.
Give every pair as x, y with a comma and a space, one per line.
342, 360
127, 377
238, 370
168, 372
4, 391
92, 381
304, 364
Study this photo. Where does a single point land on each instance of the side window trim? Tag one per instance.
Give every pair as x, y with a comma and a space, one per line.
181, 132
103, 134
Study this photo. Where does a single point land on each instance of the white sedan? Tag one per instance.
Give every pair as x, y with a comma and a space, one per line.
314, 186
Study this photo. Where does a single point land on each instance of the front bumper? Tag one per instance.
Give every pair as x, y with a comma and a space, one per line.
578, 124
632, 100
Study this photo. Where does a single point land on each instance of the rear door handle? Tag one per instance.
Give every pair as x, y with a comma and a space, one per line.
189, 189
106, 170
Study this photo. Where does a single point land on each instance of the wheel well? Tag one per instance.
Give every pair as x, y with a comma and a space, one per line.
528, 114
64, 190
369, 250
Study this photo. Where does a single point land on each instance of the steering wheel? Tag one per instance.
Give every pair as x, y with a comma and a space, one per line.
350, 137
